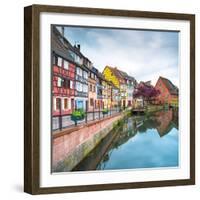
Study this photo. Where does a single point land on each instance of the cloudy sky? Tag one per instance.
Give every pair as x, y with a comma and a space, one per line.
145, 55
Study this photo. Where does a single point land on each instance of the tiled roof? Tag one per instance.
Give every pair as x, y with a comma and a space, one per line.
94, 70
121, 74
100, 75
170, 86
58, 46
147, 84
61, 46
116, 72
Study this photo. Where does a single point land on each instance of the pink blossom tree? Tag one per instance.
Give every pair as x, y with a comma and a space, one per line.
146, 92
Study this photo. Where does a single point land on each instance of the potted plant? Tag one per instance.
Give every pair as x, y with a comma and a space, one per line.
105, 111
78, 114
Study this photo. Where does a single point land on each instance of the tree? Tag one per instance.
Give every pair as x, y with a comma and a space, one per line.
147, 92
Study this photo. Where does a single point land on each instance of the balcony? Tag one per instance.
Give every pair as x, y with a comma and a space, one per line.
81, 94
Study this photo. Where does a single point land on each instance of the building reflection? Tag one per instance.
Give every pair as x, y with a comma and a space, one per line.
163, 122
167, 120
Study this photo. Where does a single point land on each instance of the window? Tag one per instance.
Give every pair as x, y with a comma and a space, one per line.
85, 88
91, 102
79, 71
66, 64
71, 84
81, 61
66, 83
79, 104
59, 62
57, 103
77, 58
85, 75
79, 86
90, 87
94, 89
59, 83
65, 104
72, 54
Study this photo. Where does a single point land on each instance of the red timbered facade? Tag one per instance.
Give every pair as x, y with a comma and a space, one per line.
63, 87
63, 79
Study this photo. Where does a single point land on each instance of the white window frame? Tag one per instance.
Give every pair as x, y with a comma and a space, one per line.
81, 87
71, 84
77, 86
66, 64
55, 105
59, 82
59, 61
85, 74
79, 71
85, 88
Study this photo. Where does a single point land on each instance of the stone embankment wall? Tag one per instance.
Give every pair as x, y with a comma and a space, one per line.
72, 146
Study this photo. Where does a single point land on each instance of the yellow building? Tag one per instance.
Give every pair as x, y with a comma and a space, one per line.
106, 94
122, 81
110, 74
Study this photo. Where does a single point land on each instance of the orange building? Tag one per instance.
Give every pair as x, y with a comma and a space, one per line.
168, 92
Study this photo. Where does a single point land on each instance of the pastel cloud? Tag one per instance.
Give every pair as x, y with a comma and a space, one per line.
146, 55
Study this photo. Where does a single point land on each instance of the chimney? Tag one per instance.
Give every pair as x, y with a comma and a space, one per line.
79, 47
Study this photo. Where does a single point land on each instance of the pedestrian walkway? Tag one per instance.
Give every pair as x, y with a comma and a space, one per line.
90, 116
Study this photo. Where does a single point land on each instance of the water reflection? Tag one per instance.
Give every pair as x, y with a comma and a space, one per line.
141, 142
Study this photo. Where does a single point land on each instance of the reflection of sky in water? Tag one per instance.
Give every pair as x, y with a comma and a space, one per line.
145, 150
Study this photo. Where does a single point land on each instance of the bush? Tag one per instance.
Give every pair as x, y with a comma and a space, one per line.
105, 111
78, 114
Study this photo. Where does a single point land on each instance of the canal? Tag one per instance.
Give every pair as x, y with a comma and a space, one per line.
146, 141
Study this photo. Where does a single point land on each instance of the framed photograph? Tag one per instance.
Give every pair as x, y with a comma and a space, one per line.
109, 99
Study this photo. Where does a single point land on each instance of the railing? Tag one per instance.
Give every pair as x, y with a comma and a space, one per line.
81, 94
64, 121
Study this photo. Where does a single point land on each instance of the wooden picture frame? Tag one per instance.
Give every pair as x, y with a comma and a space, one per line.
32, 105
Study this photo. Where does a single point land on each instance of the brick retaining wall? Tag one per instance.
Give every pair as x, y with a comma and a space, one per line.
69, 148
